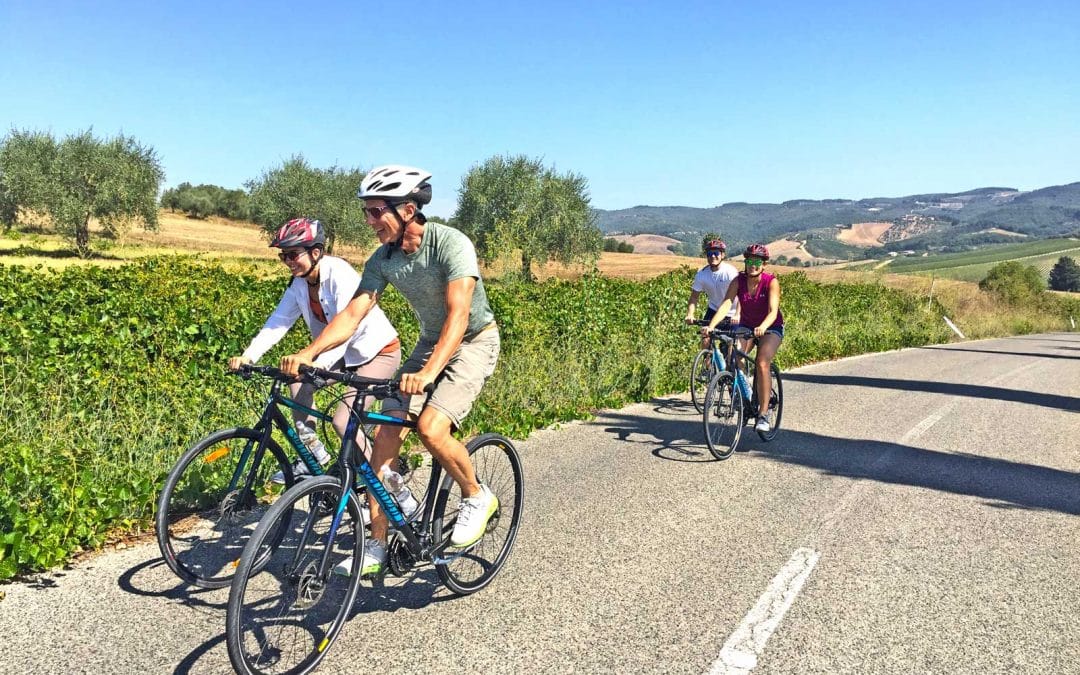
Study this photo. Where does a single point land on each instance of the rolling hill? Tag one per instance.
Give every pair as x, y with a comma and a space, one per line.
919, 221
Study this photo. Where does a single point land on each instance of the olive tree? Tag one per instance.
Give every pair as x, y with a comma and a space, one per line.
79, 178
515, 204
1013, 281
295, 189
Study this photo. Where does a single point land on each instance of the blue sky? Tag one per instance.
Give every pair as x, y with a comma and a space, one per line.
660, 103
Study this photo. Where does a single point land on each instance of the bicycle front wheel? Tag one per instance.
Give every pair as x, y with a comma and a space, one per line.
208, 507
701, 373
776, 405
497, 466
284, 618
723, 416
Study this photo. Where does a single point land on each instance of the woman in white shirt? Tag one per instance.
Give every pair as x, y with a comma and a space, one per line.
321, 287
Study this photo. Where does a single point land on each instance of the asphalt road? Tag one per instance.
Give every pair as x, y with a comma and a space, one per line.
927, 501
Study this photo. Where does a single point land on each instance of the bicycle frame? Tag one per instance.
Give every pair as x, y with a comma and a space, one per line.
273, 417
355, 466
718, 356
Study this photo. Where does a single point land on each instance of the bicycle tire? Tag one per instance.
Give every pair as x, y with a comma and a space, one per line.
287, 606
776, 405
498, 466
723, 416
701, 368
201, 525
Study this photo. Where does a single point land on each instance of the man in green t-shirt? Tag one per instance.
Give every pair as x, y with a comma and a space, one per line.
434, 266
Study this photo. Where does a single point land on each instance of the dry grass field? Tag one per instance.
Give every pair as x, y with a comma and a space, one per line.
788, 248
647, 243
998, 230
213, 238
863, 234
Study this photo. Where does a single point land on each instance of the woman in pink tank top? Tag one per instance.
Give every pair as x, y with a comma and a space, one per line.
758, 293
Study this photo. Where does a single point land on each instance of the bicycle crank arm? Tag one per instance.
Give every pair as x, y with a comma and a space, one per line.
452, 558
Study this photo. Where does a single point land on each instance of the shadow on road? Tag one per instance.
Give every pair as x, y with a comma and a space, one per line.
146, 579
1058, 401
1002, 483
1005, 352
416, 590
675, 406
188, 663
1044, 339
687, 447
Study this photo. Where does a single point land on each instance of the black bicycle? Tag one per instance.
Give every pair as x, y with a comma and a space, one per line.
219, 489
287, 606
732, 390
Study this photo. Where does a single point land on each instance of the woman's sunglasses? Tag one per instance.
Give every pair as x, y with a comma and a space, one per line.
754, 262
290, 256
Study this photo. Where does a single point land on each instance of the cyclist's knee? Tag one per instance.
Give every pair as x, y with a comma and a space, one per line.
433, 427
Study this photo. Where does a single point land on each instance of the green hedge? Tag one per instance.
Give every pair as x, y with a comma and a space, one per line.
108, 374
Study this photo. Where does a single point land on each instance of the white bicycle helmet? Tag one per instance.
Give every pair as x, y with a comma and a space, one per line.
394, 184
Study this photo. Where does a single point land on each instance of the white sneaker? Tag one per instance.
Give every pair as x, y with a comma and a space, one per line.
372, 563
762, 425
473, 516
299, 470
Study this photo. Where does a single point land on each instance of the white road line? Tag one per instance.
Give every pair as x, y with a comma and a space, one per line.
740, 653
924, 426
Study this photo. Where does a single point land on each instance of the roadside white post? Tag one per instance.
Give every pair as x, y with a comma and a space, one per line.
952, 325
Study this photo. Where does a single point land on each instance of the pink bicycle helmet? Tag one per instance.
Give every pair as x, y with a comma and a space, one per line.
756, 250
305, 232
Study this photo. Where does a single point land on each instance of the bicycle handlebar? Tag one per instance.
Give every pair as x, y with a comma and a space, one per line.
379, 388
732, 332
248, 369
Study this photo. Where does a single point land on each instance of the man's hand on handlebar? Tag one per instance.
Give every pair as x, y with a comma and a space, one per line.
291, 364
416, 383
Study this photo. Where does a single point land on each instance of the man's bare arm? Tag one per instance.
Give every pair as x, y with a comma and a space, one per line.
340, 329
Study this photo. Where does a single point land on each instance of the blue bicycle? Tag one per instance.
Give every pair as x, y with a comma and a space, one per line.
731, 392
287, 605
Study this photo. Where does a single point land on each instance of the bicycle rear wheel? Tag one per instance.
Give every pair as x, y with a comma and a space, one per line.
776, 405
497, 466
284, 618
701, 373
205, 512
723, 416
